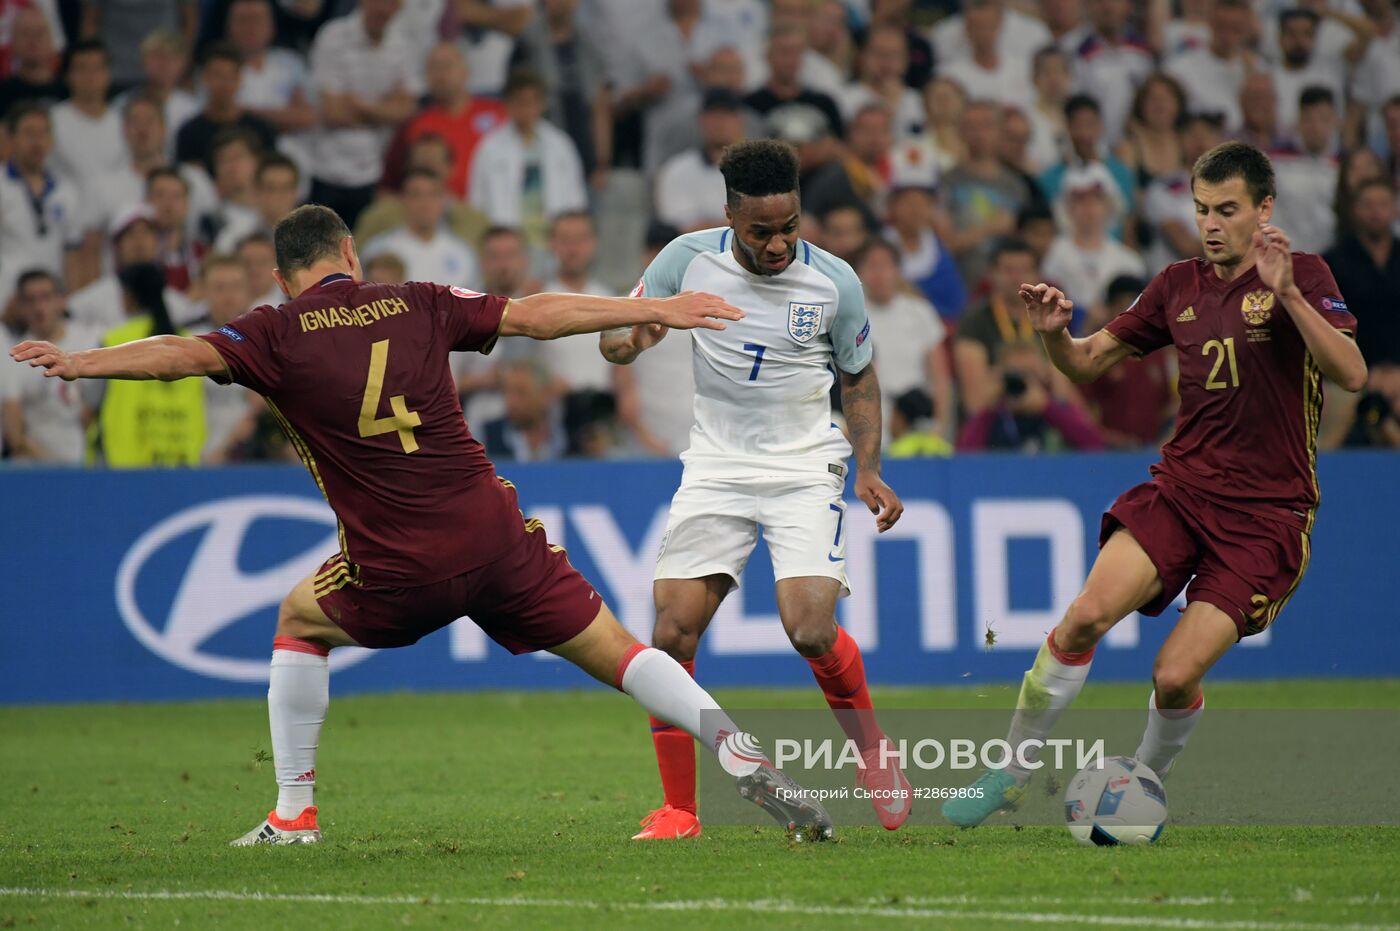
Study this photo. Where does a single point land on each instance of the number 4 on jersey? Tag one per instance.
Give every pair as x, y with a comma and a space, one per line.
402, 420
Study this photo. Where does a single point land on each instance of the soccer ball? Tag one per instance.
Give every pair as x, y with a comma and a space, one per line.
1122, 802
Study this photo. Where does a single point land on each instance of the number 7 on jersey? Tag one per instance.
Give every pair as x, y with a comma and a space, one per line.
758, 352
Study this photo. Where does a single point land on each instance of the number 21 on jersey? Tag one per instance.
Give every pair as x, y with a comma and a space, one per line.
401, 419
1221, 351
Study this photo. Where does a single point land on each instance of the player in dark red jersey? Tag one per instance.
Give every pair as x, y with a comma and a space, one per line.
1230, 507
357, 374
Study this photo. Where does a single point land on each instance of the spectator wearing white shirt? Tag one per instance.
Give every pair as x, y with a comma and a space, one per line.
87, 131
527, 171
985, 71
1111, 62
230, 411
831, 50
505, 270
1066, 22
275, 194
1377, 76
1212, 76
1168, 205
143, 132
1052, 78
656, 392
1301, 66
880, 80
690, 190
906, 332
655, 75
234, 154
40, 225
1259, 124
428, 249
135, 241
488, 31
1343, 30
1306, 175
164, 61
367, 81
87, 140
676, 129
272, 85
45, 418
1085, 258
181, 252
575, 361
124, 25
1019, 34
259, 261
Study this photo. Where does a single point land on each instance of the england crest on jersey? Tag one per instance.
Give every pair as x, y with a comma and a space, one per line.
804, 320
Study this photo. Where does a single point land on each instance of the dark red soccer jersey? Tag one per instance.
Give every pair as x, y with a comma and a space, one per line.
1251, 394
358, 375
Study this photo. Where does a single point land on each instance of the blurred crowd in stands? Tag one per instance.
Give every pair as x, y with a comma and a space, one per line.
949, 151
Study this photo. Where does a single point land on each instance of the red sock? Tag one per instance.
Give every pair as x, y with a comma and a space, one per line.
675, 757
841, 675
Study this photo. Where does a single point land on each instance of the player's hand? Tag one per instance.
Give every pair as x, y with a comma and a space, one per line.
691, 310
1048, 308
53, 360
1275, 257
880, 498
646, 335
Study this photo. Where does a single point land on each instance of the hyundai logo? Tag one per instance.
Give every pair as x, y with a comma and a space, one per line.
214, 593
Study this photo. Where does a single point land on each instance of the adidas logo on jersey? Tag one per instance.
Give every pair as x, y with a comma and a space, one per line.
1187, 315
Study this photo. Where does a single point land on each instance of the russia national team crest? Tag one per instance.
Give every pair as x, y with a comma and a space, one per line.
1257, 307
804, 320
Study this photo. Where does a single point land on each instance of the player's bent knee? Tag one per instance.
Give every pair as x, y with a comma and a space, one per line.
1086, 622
677, 633
1176, 683
813, 640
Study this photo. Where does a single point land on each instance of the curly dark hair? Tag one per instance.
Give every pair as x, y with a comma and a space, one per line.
757, 168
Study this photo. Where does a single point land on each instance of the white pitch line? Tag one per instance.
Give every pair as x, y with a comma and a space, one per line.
1186, 901
760, 906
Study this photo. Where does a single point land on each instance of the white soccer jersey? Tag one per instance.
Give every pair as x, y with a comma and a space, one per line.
762, 385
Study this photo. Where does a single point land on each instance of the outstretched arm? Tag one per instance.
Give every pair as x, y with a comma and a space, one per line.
860, 402
163, 358
1082, 360
550, 316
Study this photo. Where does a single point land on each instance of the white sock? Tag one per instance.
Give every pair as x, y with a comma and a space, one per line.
298, 693
1167, 731
1047, 689
662, 686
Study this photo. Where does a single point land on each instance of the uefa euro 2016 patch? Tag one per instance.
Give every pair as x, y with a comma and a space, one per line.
231, 333
1334, 303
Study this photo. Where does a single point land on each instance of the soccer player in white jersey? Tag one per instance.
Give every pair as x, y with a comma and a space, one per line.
765, 452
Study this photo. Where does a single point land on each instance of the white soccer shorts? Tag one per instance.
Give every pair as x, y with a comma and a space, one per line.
714, 526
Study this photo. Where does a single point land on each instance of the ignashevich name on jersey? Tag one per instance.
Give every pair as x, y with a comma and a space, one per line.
762, 385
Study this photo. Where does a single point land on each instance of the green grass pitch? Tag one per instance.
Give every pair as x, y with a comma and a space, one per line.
514, 811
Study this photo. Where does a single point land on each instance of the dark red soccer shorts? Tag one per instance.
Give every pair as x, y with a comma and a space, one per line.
1244, 564
529, 599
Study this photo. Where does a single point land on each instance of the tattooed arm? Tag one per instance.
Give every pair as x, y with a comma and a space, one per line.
860, 401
